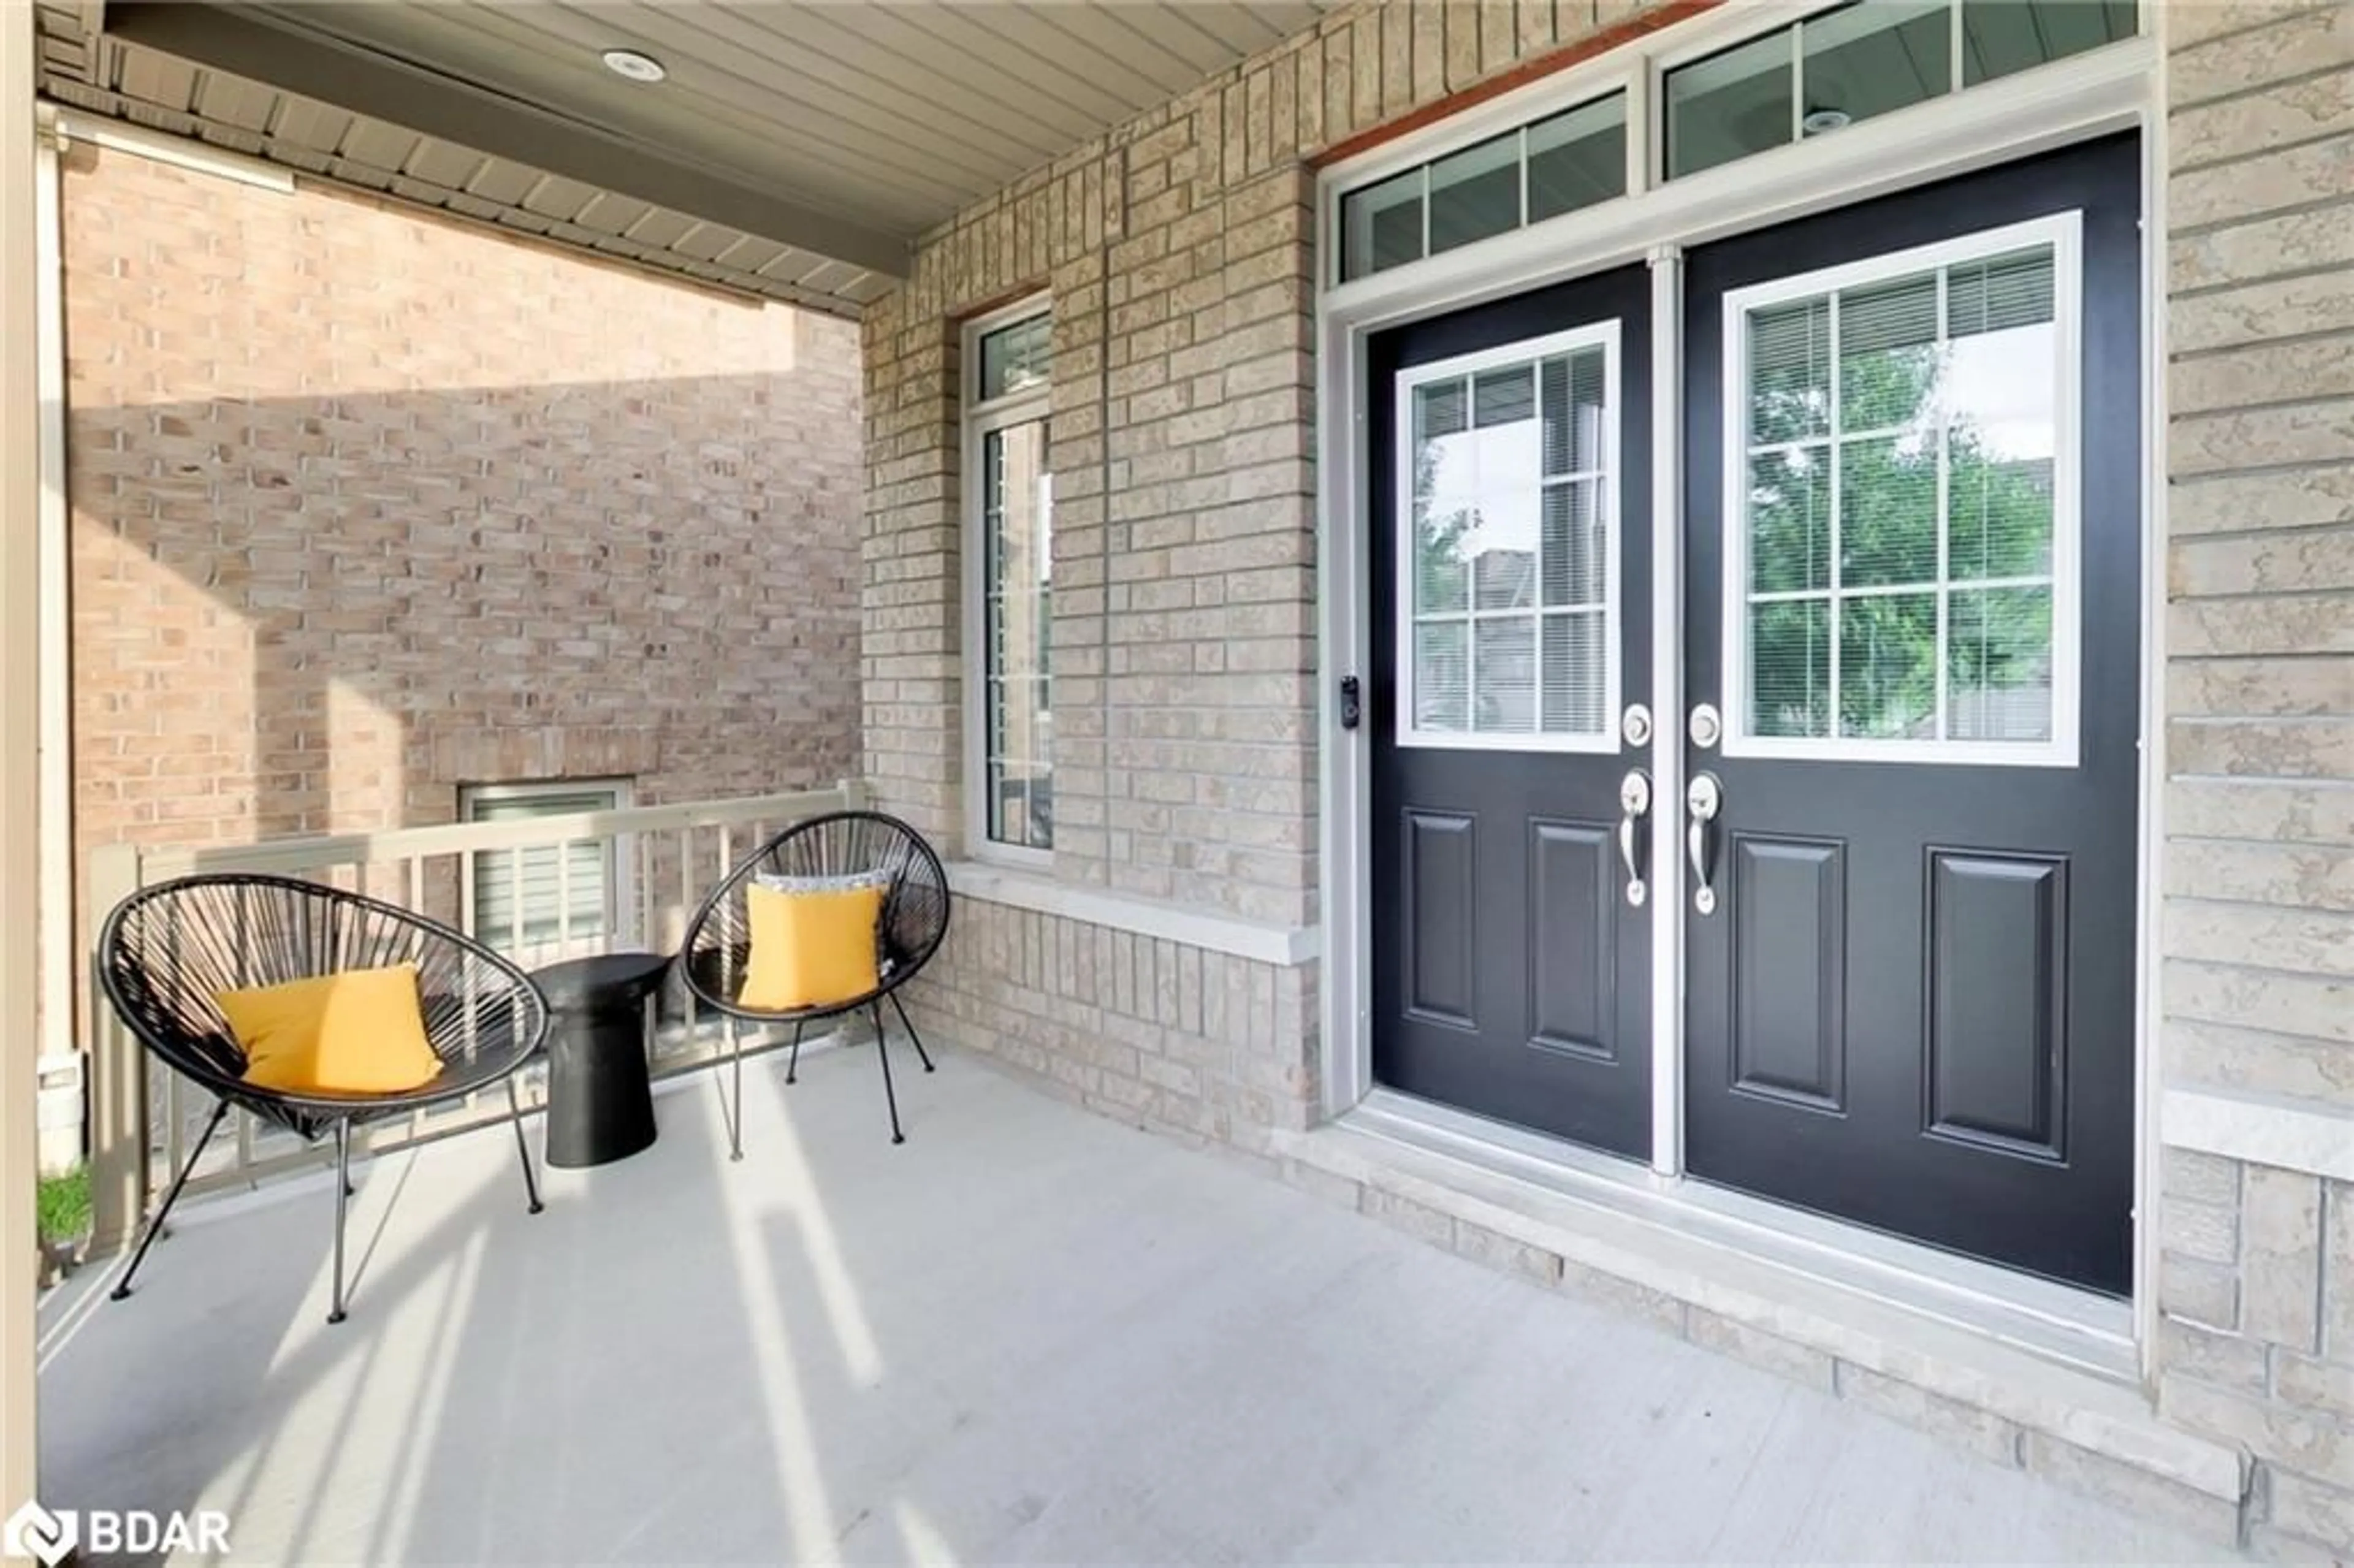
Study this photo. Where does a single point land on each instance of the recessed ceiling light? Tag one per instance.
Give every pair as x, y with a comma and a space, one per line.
1818, 120
636, 67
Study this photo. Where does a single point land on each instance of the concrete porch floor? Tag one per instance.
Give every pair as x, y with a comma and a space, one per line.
1028, 1335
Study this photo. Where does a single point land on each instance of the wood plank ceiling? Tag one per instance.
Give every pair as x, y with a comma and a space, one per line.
794, 150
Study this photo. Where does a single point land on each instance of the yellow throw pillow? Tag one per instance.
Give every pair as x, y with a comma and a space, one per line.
358, 1031
813, 944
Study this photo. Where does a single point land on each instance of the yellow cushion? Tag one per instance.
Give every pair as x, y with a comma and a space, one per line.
358, 1031
812, 946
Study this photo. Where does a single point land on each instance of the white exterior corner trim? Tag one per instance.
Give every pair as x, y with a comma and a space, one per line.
1285, 947
20, 616
2310, 1136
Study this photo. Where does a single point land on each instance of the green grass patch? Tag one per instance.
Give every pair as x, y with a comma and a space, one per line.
64, 1205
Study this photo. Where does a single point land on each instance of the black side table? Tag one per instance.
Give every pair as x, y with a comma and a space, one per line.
601, 1103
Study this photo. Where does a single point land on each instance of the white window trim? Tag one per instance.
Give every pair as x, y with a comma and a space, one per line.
1599, 334
980, 418
620, 875
2063, 232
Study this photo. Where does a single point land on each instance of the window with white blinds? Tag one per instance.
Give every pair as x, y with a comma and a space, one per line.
1507, 567
1900, 505
545, 895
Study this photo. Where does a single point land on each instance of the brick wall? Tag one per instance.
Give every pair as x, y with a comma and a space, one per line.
1177, 252
2256, 1277
369, 505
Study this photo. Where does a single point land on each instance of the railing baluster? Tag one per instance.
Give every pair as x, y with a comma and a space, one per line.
515, 902
686, 904
563, 899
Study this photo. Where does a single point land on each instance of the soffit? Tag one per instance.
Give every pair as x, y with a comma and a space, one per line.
796, 150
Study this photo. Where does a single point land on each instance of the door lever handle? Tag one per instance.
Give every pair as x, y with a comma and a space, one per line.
1703, 801
1634, 806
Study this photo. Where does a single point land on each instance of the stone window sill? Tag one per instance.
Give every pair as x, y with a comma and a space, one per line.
1283, 946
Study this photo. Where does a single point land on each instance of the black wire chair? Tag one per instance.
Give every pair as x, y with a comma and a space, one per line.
915, 920
167, 950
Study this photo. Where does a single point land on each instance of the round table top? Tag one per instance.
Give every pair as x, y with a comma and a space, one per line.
602, 980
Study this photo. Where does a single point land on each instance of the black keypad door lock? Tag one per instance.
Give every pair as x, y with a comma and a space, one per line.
1352, 703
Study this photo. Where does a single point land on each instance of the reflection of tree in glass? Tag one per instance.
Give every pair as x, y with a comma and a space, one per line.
1999, 527
1441, 585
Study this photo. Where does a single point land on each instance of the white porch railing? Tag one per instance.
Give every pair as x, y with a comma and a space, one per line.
658, 862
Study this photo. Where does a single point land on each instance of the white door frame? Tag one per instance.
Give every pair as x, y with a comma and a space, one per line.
2113, 89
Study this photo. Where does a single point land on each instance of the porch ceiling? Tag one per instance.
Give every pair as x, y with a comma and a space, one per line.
795, 150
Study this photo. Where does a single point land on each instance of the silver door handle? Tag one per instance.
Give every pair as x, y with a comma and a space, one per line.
1634, 805
1703, 801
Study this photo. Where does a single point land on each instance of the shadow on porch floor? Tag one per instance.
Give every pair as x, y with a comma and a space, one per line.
1028, 1335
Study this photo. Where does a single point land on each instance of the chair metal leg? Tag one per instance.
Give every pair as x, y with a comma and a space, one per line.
155, 1225
530, 1183
793, 1060
901, 1008
342, 1205
883, 1049
736, 1124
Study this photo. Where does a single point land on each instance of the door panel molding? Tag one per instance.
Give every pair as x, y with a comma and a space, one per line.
1572, 937
1441, 916
1788, 908
1997, 923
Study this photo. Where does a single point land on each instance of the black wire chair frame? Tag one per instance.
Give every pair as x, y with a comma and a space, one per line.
914, 921
166, 950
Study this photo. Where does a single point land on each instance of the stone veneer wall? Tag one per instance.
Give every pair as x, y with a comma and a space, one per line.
1179, 254
2256, 1276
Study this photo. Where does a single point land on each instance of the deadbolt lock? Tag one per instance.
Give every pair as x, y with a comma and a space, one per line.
1706, 727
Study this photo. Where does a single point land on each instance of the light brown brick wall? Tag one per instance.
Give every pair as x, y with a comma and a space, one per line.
2256, 1274
1178, 252
368, 506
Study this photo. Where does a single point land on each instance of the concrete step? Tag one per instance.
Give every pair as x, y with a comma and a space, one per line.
2021, 1391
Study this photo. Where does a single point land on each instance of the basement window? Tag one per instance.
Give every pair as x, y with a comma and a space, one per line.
546, 897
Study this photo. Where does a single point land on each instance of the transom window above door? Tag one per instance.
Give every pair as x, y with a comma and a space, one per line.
1900, 505
1507, 561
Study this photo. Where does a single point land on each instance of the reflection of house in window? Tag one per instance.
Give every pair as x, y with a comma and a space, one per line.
1506, 579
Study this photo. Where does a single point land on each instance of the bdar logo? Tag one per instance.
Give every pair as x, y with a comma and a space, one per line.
50, 1536
34, 1531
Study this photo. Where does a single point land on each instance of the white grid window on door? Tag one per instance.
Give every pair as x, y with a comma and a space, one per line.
1902, 544
1506, 575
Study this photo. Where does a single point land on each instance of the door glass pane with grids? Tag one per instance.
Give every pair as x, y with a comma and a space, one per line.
1899, 520
1508, 557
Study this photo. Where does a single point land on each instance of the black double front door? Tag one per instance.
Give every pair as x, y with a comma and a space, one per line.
1911, 643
